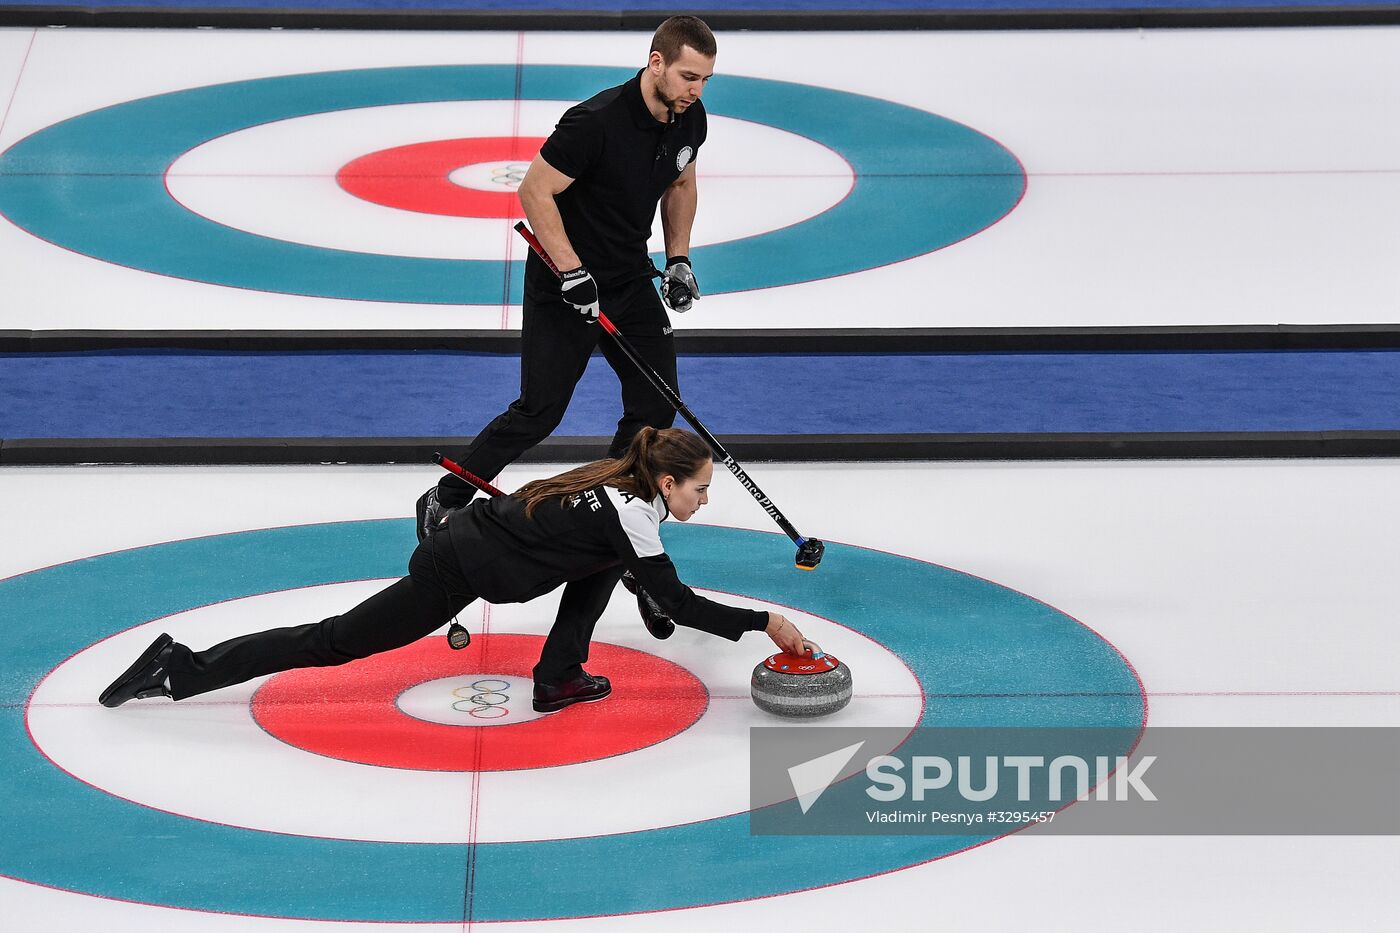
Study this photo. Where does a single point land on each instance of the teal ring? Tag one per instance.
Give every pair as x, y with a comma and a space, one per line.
1012, 660
95, 183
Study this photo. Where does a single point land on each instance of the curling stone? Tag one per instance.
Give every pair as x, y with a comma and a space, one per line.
798, 686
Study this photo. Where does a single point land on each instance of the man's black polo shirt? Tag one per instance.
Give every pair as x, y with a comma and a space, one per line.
622, 159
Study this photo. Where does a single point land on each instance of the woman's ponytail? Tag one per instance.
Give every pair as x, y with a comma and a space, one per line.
652, 454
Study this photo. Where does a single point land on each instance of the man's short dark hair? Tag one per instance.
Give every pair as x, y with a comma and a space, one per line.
680, 31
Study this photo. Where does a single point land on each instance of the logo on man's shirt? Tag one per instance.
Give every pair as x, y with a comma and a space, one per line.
683, 158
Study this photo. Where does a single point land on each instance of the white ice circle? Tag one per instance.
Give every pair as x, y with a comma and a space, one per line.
278, 179
207, 758
471, 700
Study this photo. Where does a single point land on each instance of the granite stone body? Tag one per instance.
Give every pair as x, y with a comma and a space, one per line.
801, 687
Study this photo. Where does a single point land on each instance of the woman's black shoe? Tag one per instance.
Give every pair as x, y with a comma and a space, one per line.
145, 678
585, 689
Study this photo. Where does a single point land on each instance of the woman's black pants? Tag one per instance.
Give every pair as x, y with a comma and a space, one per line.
422, 602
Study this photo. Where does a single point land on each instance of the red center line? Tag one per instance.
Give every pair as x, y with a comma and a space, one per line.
766, 176
14, 91
1277, 693
515, 134
875, 696
474, 819
1101, 695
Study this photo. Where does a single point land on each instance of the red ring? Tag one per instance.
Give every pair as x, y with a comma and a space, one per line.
415, 177
349, 712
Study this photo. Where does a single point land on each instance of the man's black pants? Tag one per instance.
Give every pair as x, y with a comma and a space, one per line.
422, 602
555, 344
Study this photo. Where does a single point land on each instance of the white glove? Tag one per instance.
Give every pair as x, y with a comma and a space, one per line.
678, 287
579, 290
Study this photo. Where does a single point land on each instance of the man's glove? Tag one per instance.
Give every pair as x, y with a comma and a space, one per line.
653, 617
579, 290
678, 288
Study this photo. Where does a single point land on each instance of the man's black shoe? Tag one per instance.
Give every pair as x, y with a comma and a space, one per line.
656, 620
585, 689
145, 678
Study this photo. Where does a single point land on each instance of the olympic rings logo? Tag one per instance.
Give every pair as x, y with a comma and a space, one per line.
510, 175
481, 703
